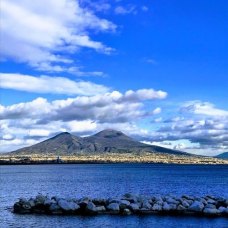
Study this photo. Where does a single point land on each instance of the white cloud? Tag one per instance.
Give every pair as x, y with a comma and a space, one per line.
203, 108
39, 119
108, 107
125, 10
46, 84
201, 123
36, 32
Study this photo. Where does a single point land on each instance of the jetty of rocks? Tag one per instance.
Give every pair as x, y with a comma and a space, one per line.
125, 205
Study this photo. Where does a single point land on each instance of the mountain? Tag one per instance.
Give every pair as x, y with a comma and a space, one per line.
223, 155
106, 141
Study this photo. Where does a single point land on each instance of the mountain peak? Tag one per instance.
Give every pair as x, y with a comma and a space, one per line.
109, 133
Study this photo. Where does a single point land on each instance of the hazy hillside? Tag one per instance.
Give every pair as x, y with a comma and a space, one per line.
223, 155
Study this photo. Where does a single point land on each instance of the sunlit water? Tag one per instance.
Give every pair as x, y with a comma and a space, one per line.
109, 180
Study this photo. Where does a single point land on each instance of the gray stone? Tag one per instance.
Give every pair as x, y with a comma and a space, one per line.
202, 200
211, 206
100, 202
146, 205
125, 202
185, 203
211, 201
196, 206
158, 198
210, 211
134, 206
157, 207
55, 209
101, 209
113, 207
169, 207
48, 202
170, 200
226, 202
222, 210
40, 199
126, 211
68, 205
91, 208
181, 208
188, 197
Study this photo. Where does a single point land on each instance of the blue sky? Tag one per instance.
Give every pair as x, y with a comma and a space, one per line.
156, 70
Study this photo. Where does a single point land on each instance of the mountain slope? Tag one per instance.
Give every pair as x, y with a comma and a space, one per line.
223, 155
103, 142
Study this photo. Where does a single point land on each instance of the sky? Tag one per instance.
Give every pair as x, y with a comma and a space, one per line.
156, 70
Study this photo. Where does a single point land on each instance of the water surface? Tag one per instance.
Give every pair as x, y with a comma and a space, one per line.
108, 180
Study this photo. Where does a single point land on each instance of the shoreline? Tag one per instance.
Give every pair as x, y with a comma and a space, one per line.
110, 158
106, 163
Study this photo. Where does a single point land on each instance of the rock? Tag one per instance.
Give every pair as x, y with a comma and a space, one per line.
169, 207
181, 208
130, 197
226, 202
126, 211
40, 199
134, 207
159, 203
55, 209
101, 209
157, 207
170, 200
91, 208
21, 208
188, 197
222, 210
202, 200
68, 206
125, 202
211, 206
185, 203
113, 201
32, 203
146, 205
114, 207
210, 211
157, 198
211, 201
99, 202
83, 203
196, 206
48, 202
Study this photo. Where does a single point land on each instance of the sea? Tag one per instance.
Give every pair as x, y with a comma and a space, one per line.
109, 180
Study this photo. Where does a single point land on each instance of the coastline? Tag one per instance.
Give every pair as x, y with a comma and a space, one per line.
110, 158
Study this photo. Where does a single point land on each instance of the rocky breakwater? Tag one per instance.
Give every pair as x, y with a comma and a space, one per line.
126, 205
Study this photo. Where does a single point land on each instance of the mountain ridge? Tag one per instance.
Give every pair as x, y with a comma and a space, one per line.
222, 155
106, 141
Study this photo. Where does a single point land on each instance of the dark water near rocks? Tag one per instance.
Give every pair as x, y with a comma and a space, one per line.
109, 180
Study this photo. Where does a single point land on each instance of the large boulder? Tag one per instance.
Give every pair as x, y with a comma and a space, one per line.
68, 206
196, 206
55, 209
113, 207
100, 209
210, 211
157, 207
91, 208
169, 207
126, 211
134, 207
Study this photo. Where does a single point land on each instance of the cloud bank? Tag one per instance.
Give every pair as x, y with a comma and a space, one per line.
35, 120
43, 33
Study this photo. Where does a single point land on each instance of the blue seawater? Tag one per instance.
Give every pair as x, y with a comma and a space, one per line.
109, 180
